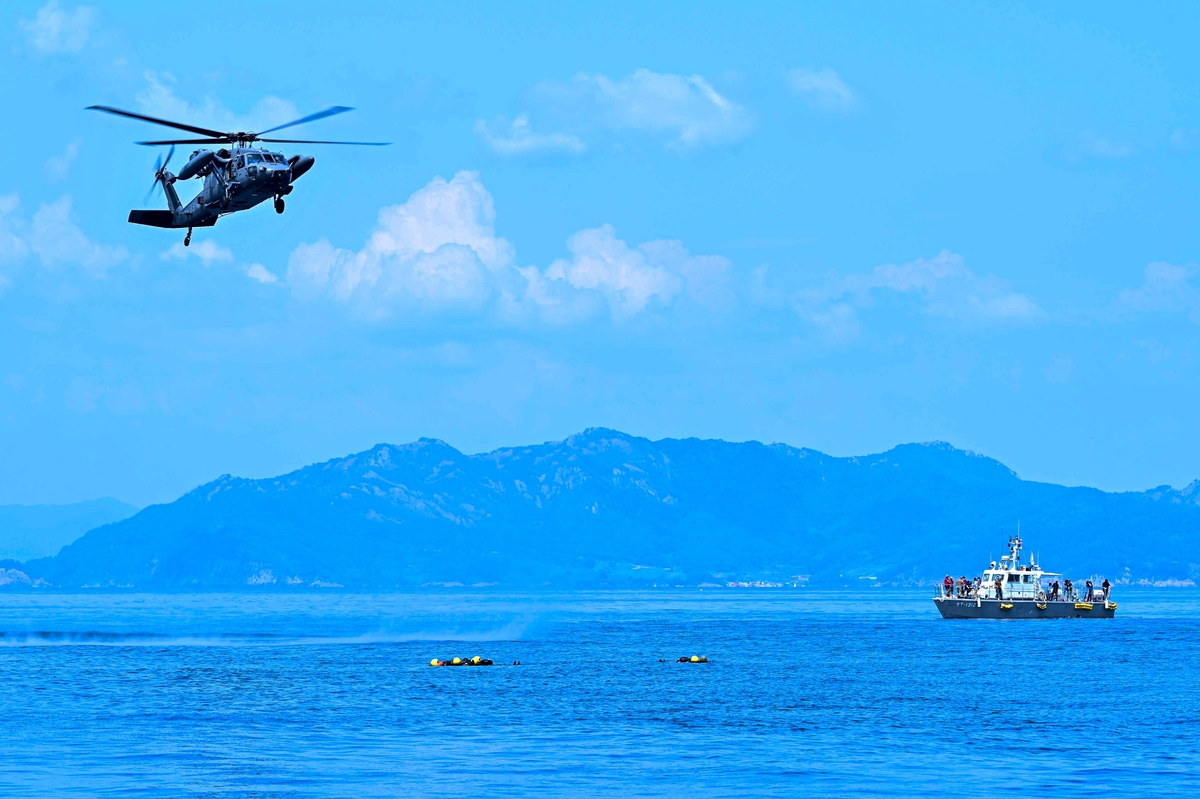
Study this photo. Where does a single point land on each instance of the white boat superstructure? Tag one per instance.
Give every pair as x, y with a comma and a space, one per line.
1012, 579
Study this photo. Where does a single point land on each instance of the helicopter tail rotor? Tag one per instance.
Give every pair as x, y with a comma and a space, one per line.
160, 173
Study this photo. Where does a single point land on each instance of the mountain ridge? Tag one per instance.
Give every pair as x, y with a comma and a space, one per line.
33, 531
603, 508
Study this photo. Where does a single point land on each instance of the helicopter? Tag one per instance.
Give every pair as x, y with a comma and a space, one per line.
238, 176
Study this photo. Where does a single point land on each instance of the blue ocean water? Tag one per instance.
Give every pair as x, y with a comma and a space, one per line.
805, 693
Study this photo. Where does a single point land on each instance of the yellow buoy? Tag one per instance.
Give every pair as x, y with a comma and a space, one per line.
695, 658
475, 660
457, 661
434, 662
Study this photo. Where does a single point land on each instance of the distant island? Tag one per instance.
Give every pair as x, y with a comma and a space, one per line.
38, 531
606, 509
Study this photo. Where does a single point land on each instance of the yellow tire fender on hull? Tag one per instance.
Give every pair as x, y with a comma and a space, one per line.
1006, 606
1041, 606
1083, 605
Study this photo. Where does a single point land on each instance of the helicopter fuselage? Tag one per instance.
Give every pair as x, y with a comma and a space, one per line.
235, 179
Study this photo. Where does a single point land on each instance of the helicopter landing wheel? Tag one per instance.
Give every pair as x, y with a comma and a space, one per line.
279, 205
188, 238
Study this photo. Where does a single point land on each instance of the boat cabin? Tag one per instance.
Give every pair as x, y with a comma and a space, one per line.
1017, 580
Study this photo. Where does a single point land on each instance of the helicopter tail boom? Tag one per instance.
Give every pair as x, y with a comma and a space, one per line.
167, 219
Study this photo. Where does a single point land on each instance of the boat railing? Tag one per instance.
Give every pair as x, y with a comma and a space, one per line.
984, 592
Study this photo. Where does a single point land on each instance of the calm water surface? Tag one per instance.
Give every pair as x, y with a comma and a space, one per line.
805, 694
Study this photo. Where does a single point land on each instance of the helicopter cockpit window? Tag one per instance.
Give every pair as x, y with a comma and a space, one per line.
253, 158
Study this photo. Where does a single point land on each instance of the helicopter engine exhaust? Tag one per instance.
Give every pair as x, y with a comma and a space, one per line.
301, 164
198, 162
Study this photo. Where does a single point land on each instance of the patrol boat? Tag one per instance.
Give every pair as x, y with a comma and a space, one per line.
1014, 590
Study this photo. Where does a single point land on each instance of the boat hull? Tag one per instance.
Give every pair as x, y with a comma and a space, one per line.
952, 608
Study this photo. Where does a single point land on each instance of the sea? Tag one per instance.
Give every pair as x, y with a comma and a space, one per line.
805, 693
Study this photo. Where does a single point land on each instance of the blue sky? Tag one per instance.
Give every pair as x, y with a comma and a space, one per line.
841, 226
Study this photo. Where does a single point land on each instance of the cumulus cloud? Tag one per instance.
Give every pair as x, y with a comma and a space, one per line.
685, 108
1166, 289
56, 30
207, 250
159, 99
261, 274
943, 285
517, 138
58, 241
630, 278
822, 88
59, 166
439, 252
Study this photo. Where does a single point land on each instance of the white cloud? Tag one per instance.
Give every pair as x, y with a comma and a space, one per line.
207, 250
628, 278
261, 274
823, 88
631, 278
58, 166
684, 107
159, 99
54, 30
518, 139
1167, 288
439, 251
943, 285
57, 240
12, 246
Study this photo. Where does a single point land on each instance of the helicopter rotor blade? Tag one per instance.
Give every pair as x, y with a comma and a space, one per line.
157, 184
328, 112
160, 166
311, 141
178, 125
184, 141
